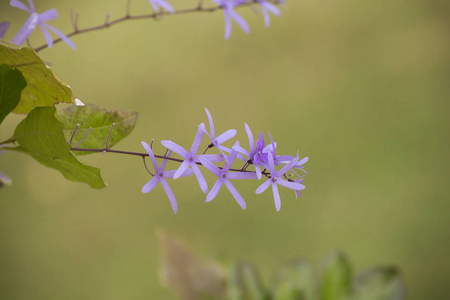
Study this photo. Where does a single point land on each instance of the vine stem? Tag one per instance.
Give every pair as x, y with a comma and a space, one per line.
106, 24
143, 155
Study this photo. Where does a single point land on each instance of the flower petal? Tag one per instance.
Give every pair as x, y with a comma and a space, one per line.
276, 196
272, 8
150, 185
173, 201
164, 162
48, 37
31, 4
165, 5
198, 139
263, 186
240, 21
201, 180
288, 166
241, 175
227, 23
20, 5
171, 173
250, 139
175, 148
235, 194
226, 136
183, 167
265, 15
150, 153
26, 29
290, 185
272, 170
48, 15
241, 150
210, 157
211, 124
211, 167
61, 36
3, 28
230, 161
215, 189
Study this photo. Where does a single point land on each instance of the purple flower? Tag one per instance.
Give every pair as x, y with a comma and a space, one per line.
297, 192
224, 176
267, 7
3, 28
39, 20
253, 154
160, 176
276, 178
190, 157
216, 142
229, 14
163, 4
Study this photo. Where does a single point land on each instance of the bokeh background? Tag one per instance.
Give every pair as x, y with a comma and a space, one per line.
362, 88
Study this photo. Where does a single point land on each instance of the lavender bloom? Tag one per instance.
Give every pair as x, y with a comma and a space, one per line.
39, 20
276, 177
297, 192
3, 28
267, 7
160, 176
255, 159
224, 176
229, 14
272, 150
163, 4
190, 157
216, 142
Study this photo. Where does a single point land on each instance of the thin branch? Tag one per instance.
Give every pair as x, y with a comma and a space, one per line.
155, 15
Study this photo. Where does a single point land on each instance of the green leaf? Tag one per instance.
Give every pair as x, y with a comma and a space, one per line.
11, 85
100, 121
44, 88
250, 282
40, 133
382, 283
336, 277
73, 169
294, 281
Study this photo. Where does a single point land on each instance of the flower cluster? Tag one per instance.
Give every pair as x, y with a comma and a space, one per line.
279, 170
159, 6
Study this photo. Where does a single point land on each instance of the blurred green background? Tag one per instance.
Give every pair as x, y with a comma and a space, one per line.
362, 88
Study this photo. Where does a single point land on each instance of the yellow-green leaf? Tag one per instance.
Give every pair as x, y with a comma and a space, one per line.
44, 88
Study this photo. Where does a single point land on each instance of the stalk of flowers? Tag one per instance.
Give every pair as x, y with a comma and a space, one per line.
266, 163
160, 8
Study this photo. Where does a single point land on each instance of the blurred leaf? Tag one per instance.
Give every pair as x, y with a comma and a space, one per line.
43, 88
73, 169
294, 281
336, 277
40, 133
11, 85
100, 120
192, 278
382, 283
247, 283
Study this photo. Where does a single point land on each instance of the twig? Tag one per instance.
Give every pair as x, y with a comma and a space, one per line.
155, 15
